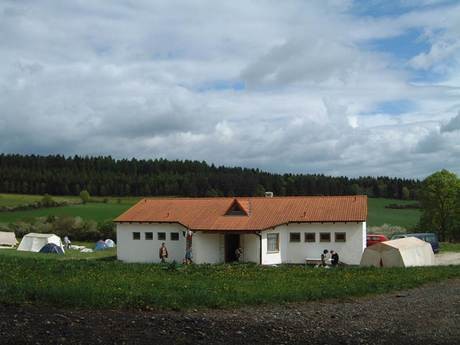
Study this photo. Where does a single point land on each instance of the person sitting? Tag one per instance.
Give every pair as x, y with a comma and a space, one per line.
67, 242
324, 258
334, 258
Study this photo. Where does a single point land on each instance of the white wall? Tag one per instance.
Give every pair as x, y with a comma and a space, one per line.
295, 252
272, 258
143, 250
209, 247
206, 248
250, 245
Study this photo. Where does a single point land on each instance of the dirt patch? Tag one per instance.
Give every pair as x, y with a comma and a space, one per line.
445, 259
426, 315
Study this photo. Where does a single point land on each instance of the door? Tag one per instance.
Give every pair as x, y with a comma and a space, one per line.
232, 242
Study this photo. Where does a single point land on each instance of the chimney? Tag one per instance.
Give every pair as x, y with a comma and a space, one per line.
269, 194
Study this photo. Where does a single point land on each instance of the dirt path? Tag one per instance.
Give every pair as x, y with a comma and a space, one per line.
426, 315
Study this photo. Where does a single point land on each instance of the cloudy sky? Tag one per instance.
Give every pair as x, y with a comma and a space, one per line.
335, 87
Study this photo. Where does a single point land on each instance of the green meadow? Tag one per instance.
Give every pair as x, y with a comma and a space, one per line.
99, 281
114, 206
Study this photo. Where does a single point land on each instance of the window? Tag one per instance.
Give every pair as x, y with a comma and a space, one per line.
310, 237
161, 236
174, 236
136, 235
325, 237
340, 237
294, 237
273, 244
149, 235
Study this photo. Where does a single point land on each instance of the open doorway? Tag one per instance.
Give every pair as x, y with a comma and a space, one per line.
232, 242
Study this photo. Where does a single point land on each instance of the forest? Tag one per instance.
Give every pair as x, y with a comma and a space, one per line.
107, 176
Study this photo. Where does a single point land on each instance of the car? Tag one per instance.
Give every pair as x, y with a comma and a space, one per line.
375, 238
429, 237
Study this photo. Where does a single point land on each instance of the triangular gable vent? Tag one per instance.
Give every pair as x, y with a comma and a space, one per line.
237, 209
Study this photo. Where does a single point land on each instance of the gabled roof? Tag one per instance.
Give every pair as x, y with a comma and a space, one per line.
209, 214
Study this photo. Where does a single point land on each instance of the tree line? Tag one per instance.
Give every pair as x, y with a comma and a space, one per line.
106, 176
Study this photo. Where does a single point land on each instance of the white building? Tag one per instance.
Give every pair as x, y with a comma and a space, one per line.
268, 230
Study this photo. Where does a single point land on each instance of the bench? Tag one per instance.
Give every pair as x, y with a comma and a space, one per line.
312, 261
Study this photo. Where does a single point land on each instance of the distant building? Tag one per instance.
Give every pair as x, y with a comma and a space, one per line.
269, 230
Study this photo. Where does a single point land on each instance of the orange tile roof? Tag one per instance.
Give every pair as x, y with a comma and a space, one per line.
209, 214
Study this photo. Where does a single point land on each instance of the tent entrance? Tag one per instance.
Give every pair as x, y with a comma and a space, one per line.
232, 242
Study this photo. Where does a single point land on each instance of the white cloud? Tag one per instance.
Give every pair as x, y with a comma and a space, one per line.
165, 79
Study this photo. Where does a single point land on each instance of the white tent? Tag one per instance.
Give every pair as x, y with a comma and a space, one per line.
8, 239
34, 242
403, 252
110, 243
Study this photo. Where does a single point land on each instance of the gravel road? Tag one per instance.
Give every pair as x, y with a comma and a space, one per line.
447, 259
426, 315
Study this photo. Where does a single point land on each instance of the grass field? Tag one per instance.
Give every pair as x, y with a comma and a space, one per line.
23, 199
378, 214
102, 282
99, 211
449, 247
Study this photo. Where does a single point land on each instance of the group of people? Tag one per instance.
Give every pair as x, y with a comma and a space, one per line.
332, 257
163, 253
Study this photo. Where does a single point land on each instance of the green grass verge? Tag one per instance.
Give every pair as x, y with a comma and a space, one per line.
105, 283
379, 215
449, 247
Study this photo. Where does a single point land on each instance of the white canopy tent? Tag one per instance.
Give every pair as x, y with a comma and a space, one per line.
403, 252
34, 242
8, 239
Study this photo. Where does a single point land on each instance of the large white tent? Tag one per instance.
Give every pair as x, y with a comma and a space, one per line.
34, 242
403, 252
8, 239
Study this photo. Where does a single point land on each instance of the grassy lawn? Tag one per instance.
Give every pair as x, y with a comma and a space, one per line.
102, 282
449, 247
379, 215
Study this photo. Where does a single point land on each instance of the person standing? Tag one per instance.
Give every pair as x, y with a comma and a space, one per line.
163, 253
188, 256
238, 253
334, 258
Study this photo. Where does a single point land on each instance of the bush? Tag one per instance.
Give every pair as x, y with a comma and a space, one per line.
84, 196
75, 228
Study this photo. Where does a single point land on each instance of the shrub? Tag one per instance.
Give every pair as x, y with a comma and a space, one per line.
84, 196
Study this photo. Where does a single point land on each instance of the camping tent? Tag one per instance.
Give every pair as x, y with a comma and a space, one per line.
34, 242
100, 245
403, 252
8, 239
109, 243
51, 248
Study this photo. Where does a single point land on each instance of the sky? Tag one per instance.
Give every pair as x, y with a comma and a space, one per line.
334, 87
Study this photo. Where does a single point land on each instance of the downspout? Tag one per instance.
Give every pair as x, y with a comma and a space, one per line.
260, 247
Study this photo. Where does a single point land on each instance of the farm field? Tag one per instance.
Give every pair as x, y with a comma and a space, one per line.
102, 282
100, 211
378, 214
22, 199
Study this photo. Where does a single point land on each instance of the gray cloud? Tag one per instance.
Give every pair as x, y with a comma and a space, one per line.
452, 125
127, 80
